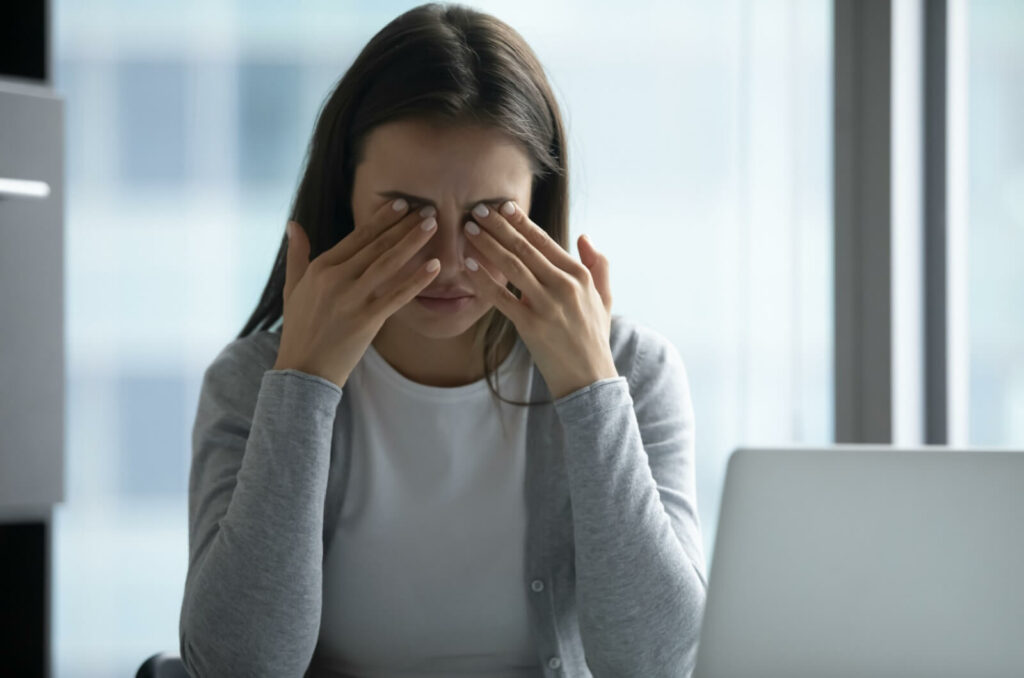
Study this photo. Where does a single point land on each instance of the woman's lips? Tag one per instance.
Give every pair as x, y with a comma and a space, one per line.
444, 305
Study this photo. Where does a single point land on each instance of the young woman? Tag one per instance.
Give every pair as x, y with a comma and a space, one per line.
362, 500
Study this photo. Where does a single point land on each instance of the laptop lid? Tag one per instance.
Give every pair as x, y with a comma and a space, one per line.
867, 561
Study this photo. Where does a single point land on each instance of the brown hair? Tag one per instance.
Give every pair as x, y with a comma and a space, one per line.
446, 64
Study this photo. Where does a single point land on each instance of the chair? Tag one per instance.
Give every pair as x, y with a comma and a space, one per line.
162, 665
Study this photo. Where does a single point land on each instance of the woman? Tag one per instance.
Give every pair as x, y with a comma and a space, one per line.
358, 506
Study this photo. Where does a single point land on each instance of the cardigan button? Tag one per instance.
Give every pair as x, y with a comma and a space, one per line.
554, 663
537, 585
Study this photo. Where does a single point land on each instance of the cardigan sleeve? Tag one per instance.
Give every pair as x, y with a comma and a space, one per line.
261, 453
639, 559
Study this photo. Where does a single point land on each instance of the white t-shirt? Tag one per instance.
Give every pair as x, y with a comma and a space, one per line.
425, 573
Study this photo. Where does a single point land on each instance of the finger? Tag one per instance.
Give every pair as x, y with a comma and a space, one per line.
386, 216
357, 265
387, 264
523, 226
390, 302
494, 293
297, 260
599, 268
519, 272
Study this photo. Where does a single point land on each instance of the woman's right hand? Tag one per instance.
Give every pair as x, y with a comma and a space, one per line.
331, 312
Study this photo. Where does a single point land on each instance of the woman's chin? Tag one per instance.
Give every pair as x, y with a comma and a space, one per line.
440, 323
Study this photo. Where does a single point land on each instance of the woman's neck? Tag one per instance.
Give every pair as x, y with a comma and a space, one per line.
445, 363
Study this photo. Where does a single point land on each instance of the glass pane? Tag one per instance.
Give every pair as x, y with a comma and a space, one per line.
700, 152
271, 140
151, 120
995, 234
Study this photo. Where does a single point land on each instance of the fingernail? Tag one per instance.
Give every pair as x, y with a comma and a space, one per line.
427, 211
428, 223
481, 210
399, 205
471, 264
508, 209
472, 228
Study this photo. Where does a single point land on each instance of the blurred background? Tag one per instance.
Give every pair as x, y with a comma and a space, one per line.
700, 150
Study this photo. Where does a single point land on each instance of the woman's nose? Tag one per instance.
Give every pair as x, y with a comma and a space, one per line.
449, 243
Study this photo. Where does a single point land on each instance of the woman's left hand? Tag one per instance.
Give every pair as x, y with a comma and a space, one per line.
564, 315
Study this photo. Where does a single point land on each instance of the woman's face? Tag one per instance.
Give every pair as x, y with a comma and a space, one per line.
452, 168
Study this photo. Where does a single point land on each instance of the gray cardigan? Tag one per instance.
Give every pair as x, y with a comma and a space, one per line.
615, 569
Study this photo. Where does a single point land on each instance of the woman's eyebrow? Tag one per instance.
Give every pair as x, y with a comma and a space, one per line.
416, 198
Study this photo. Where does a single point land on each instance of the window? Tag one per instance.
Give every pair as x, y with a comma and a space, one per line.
152, 431
151, 104
995, 231
271, 140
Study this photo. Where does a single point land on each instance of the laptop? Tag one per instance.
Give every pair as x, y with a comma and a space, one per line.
867, 561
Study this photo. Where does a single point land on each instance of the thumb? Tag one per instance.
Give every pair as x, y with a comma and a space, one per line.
588, 253
298, 257
599, 268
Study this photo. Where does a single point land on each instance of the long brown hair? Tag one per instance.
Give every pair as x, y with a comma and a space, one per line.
443, 63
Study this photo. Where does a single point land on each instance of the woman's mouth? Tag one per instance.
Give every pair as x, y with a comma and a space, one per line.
444, 305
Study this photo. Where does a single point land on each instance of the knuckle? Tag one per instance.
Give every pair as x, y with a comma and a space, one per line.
380, 247
583, 275
388, 258
521, 248
565, 283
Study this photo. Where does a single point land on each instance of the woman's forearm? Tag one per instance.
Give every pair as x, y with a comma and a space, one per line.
253, 593
640, 582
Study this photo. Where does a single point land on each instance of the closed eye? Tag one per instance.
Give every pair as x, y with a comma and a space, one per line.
416, 206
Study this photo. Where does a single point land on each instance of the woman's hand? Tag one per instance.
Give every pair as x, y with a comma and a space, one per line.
564, 316
330, 312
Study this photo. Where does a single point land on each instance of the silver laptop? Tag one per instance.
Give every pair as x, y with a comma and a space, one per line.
867, 561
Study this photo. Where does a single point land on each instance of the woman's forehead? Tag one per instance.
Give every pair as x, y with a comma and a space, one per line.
461, 163
423, 145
